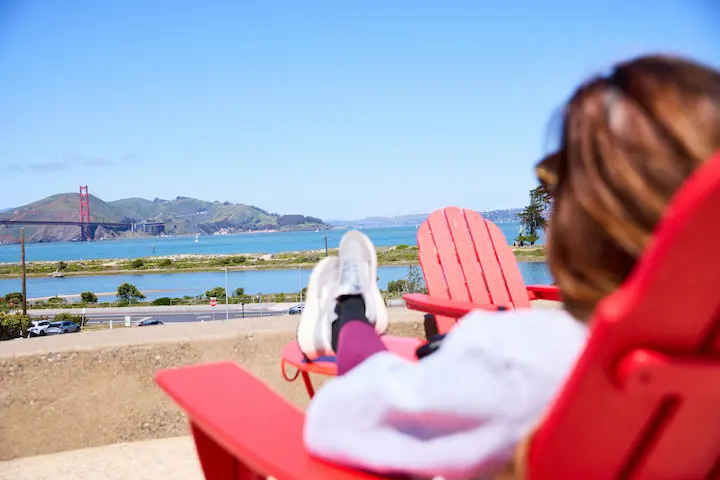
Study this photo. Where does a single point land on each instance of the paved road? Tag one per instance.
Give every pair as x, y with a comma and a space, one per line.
174, 314
92, 317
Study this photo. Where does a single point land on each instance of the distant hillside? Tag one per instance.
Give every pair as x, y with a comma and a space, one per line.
181, 216
497, 216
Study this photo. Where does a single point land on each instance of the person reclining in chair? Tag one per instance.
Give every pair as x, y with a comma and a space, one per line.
629, 140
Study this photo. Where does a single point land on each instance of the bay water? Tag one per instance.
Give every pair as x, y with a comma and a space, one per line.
273, 242
196, 283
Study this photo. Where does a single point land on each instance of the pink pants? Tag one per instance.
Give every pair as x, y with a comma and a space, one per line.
357, 342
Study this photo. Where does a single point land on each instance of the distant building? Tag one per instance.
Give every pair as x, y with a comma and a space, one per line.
153, 228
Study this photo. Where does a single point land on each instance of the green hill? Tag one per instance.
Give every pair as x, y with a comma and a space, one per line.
182, 216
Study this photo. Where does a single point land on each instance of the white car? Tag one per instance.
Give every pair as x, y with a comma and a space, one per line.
39, 328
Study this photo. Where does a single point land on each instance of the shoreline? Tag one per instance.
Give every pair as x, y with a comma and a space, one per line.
398, 255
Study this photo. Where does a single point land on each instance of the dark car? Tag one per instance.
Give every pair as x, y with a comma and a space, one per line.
297, 309
146, 323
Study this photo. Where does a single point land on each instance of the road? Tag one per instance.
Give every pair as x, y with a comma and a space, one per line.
175, 314
94, 318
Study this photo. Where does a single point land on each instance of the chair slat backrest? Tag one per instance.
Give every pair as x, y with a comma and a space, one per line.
467, 258
599, 427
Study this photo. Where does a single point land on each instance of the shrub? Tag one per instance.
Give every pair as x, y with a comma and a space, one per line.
56, 300
137, 263
402, 247
279, 297
14, 298
13, 326
68, 317
165, 262
162, 301
88, 297
217, 292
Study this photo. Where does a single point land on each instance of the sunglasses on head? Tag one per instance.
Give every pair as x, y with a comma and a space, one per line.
546, 171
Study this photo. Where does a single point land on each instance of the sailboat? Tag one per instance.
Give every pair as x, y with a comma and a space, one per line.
197, 237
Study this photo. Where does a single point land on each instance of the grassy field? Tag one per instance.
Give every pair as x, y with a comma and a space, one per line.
387, 256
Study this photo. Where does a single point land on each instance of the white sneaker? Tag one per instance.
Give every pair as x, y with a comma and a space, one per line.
314, 333
353, 272
358, 276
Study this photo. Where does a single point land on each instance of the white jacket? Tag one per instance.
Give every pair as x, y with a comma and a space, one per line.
457, 413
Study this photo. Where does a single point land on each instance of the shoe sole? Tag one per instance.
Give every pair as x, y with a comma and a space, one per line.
314, 343
374, 301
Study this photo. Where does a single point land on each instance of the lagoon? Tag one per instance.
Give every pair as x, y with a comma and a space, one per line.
196, 283
273, 242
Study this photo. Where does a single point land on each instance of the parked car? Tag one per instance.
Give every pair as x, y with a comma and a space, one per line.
146, 323
56, 328
38, 328
297, 309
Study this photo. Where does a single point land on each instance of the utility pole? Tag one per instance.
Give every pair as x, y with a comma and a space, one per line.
326, 245
24, 271
227, 295
300, 282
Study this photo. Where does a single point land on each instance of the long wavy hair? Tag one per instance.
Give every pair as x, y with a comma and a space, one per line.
629, 139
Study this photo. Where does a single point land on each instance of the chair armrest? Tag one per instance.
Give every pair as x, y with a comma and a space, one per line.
251, 422
544, 292
441, 306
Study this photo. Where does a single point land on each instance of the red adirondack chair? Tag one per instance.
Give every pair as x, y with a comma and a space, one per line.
466, 258
640, 404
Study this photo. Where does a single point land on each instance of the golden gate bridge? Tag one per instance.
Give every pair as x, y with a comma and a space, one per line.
87, 226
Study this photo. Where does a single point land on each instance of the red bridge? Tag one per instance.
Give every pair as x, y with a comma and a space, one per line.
86, 225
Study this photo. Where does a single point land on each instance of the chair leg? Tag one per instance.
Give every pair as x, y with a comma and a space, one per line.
430, 325
217, 463
308, 384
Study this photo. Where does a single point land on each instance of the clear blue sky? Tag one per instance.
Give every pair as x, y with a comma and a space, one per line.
339, 109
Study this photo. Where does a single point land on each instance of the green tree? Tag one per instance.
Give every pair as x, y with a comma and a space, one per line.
61, 266
533, 218
414, 281
532, 238
128, 292
240, 292
88, 297
217, 292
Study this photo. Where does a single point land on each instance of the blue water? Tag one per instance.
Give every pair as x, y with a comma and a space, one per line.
218, 244
181, 284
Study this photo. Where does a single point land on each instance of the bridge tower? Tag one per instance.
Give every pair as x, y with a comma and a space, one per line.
84, 214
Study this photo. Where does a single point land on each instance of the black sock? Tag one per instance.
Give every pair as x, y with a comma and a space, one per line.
348, 308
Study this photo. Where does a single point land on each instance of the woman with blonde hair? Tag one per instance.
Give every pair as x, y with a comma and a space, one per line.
629, 140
